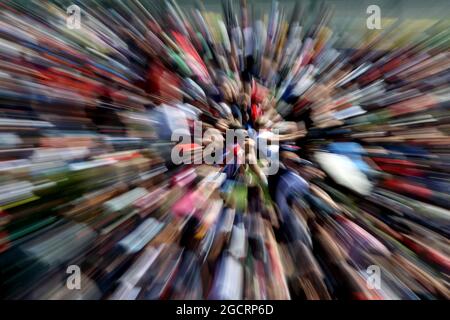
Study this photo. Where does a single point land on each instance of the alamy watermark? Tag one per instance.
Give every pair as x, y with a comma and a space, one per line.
73, 20
73, 281
373, 280
374, 19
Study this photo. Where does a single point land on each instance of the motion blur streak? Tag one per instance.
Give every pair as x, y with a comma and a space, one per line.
357, 210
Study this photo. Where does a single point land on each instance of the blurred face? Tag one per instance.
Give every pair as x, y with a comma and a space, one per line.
226, 93
245, 101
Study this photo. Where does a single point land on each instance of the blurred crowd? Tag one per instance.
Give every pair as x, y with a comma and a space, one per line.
359, 124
